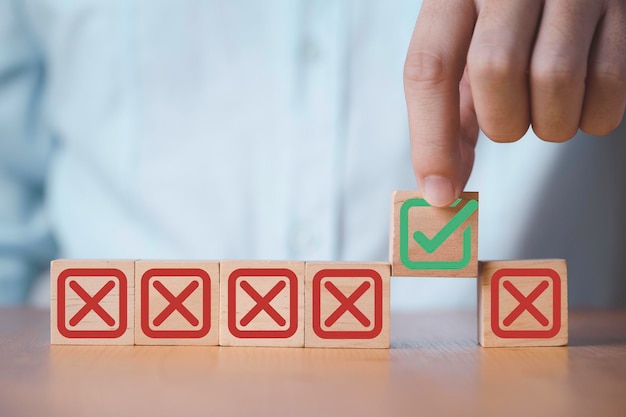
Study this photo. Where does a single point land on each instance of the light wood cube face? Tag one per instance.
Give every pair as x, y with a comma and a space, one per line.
347, 305
426, 241
92, 302
262, 303
522, 303
177, 303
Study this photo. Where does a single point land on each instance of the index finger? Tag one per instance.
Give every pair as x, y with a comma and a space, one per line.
432, 73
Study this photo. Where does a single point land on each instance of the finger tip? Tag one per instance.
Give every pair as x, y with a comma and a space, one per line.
439, 191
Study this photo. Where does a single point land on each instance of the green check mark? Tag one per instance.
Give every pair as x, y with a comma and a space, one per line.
430, 245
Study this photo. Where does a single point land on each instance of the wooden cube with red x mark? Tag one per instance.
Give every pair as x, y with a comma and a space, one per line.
262, 303
177, 302
92, 302
347, 304
522, 303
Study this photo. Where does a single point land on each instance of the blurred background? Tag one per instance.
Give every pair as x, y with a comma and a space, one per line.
259, 130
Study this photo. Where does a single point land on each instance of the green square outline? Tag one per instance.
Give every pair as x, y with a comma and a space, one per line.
430, 265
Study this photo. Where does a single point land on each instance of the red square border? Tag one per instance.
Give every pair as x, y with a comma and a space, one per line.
92, 272
556, 303
145, 303
293, 303
347, 274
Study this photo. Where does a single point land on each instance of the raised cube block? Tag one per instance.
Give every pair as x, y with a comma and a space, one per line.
427, 241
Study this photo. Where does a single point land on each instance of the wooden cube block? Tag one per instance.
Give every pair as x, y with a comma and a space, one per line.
522, 303
176, 302
347, 305
426, 241
92, 302
262, 303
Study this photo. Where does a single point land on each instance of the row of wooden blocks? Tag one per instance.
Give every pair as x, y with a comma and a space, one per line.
227, 303
312, 304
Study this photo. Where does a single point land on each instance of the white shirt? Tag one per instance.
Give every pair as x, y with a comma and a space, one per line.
211, 130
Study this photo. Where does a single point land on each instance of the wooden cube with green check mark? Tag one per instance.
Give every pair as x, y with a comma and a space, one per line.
427, 241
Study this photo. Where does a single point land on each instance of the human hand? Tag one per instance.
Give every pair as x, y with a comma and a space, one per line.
558, 65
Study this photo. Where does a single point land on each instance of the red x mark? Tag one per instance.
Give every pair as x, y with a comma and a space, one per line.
175, 303
263, 303
526, 303
347, 303
200, 319
550, 279
287, 281
92, 303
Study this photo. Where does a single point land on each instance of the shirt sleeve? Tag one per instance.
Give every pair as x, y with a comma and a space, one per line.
26, 243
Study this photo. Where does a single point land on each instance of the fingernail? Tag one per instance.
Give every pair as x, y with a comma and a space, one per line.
438, 191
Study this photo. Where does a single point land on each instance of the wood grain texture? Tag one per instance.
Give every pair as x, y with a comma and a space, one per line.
523, 303
347, 305
434, 368
442, 250
92, 302
176, 302
262, 303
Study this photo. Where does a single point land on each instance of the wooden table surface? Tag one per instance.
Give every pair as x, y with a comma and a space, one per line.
434, 368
